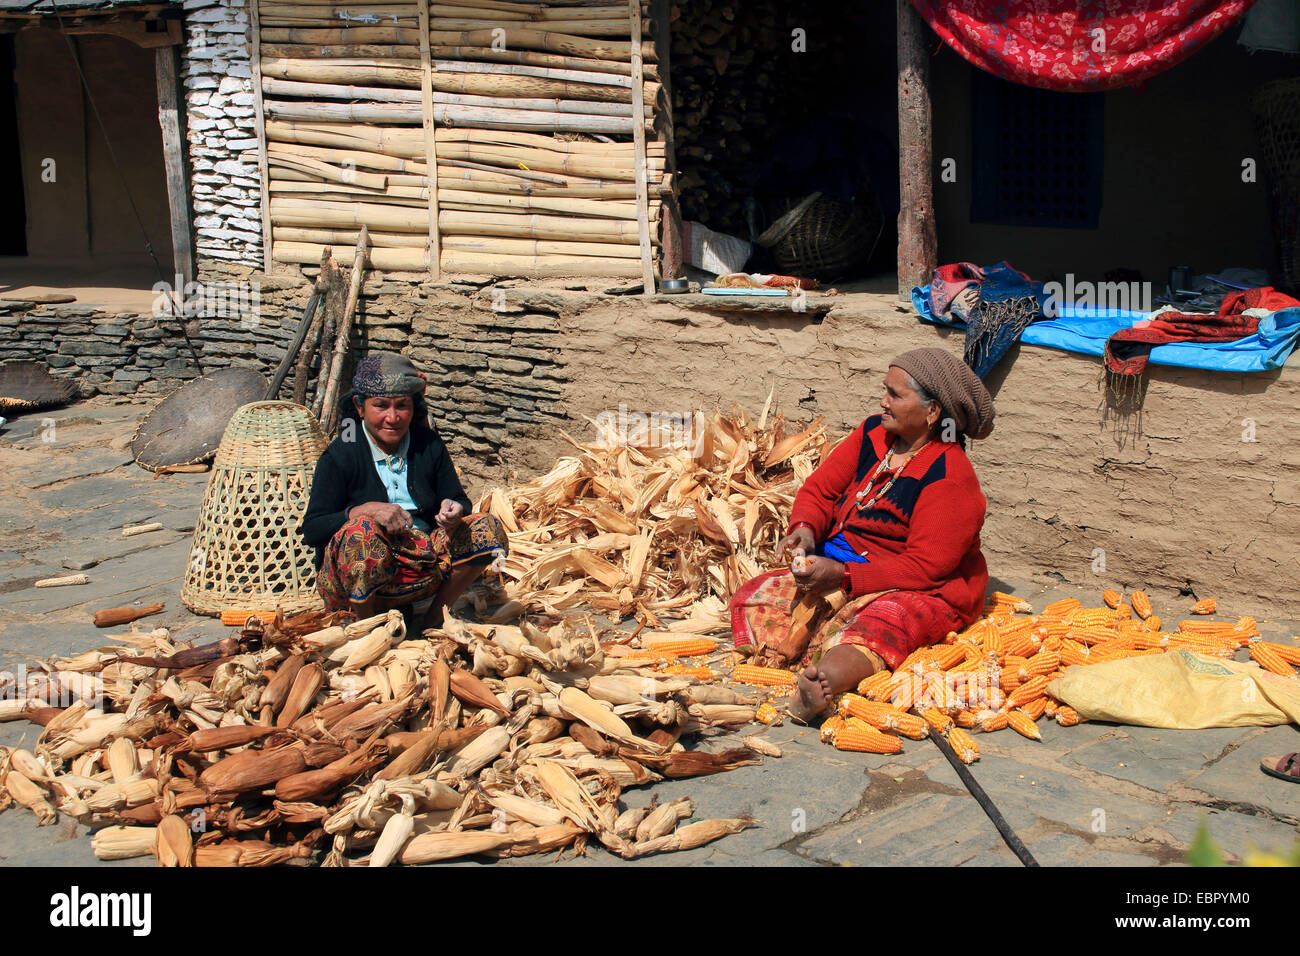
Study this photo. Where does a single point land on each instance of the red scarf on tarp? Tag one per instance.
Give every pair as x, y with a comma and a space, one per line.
1128, 350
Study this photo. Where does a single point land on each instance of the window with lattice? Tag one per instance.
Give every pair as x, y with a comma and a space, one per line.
1037, 155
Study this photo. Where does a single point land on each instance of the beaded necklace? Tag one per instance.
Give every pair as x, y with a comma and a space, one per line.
883, 466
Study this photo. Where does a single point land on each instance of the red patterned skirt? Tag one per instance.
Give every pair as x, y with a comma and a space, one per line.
363, 560
890, 625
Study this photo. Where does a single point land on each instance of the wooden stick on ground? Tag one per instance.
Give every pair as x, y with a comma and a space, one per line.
329, 323
303, 369
142, 529
329, 413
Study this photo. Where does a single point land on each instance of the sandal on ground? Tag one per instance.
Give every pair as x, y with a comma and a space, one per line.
1284, 768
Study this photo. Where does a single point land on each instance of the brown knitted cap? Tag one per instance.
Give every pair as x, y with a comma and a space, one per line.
958, 389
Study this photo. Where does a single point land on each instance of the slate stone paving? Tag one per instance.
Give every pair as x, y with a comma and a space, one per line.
1092, 795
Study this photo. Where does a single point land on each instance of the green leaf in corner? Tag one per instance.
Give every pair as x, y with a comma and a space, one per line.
1203, 851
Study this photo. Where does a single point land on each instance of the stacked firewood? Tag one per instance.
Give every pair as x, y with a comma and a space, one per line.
746, 79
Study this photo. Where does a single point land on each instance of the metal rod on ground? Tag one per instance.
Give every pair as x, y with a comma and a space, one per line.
329, 413
986, 804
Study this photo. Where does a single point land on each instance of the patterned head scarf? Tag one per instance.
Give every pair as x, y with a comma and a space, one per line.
387, 375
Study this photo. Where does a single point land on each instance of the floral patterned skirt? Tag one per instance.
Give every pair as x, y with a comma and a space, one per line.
363, 560
890, 624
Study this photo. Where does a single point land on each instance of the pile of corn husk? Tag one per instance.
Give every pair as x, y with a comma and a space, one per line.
324, 738
632, 526
319, 739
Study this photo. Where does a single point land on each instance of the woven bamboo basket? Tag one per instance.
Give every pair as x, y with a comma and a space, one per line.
831, 239
1276, 108
247, 551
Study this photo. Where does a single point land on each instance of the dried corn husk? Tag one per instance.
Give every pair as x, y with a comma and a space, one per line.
690, 836
124, 843
762, 745
432, 847
27, 794
478, 753
175, 844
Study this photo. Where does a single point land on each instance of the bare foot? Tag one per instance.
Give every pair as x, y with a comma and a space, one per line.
811, 696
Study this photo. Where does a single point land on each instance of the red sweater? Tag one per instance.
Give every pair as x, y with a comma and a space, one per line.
923, 535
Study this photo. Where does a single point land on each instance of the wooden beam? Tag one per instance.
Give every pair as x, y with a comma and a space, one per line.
133, 30
259, 111
918, 242
638, 147
167, 63
670, 224
430, 142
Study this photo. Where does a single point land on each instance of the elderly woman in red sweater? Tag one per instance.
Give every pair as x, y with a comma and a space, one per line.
884, 538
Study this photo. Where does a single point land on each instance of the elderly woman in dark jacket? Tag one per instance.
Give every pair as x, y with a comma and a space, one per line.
388, 517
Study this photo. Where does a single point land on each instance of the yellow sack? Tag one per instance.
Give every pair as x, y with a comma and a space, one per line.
1179, 690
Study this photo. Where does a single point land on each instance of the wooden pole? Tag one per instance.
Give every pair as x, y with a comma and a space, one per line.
918, 242
639, 159
670, 238
302, 372
259, 113
430, 143
329, 413
178, 189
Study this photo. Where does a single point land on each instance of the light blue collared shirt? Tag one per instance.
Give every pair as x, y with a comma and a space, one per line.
393, 470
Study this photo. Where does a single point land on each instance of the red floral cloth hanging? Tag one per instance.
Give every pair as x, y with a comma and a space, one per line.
1079, 45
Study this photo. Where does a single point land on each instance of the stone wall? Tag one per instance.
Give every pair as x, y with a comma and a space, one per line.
221, 129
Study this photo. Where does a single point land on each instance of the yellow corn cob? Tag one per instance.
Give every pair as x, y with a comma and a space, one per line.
852, 705
1204, 606
239, 618
1052, 628
866, 740
762, 676
681, 670
1288, 652
669, 650
1141, 603
966, 749
1067, 716
1044, 662
1034, 709
1023, 724
1093, 634
1062, 607
991, 720
1009, 678
1020, 645
1204, 627
1072, 652
1090, 616
1002, 599
937, 719
1028, 691
1111, 598
1146, 642
1123, 613
948, 655
1153, 623
830, 726
903, 693
992, 642
766, 713
1050, 706
1270, 660
918, 656
1247, 623
873, 687
909, 725
993, 697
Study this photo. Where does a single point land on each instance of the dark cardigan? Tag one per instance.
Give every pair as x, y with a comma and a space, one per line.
346, 477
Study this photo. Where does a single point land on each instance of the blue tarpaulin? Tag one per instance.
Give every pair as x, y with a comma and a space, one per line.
1085, 329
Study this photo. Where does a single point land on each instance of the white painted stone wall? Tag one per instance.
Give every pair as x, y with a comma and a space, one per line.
222, 133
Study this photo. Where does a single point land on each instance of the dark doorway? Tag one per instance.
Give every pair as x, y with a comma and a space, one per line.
13, 212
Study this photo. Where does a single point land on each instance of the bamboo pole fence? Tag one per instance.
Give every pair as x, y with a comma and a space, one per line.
466, 136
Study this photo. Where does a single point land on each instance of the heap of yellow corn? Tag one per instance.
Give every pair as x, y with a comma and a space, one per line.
995, 674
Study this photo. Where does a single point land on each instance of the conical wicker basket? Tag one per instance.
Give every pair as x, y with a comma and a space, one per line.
247, 552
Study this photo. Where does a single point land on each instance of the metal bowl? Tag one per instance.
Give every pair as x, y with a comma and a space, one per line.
674, 286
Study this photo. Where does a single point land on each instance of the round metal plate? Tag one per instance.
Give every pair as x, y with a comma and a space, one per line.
185, 428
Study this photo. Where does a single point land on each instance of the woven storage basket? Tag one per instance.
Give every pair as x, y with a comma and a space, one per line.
830, 240
247, 552
1276, 107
